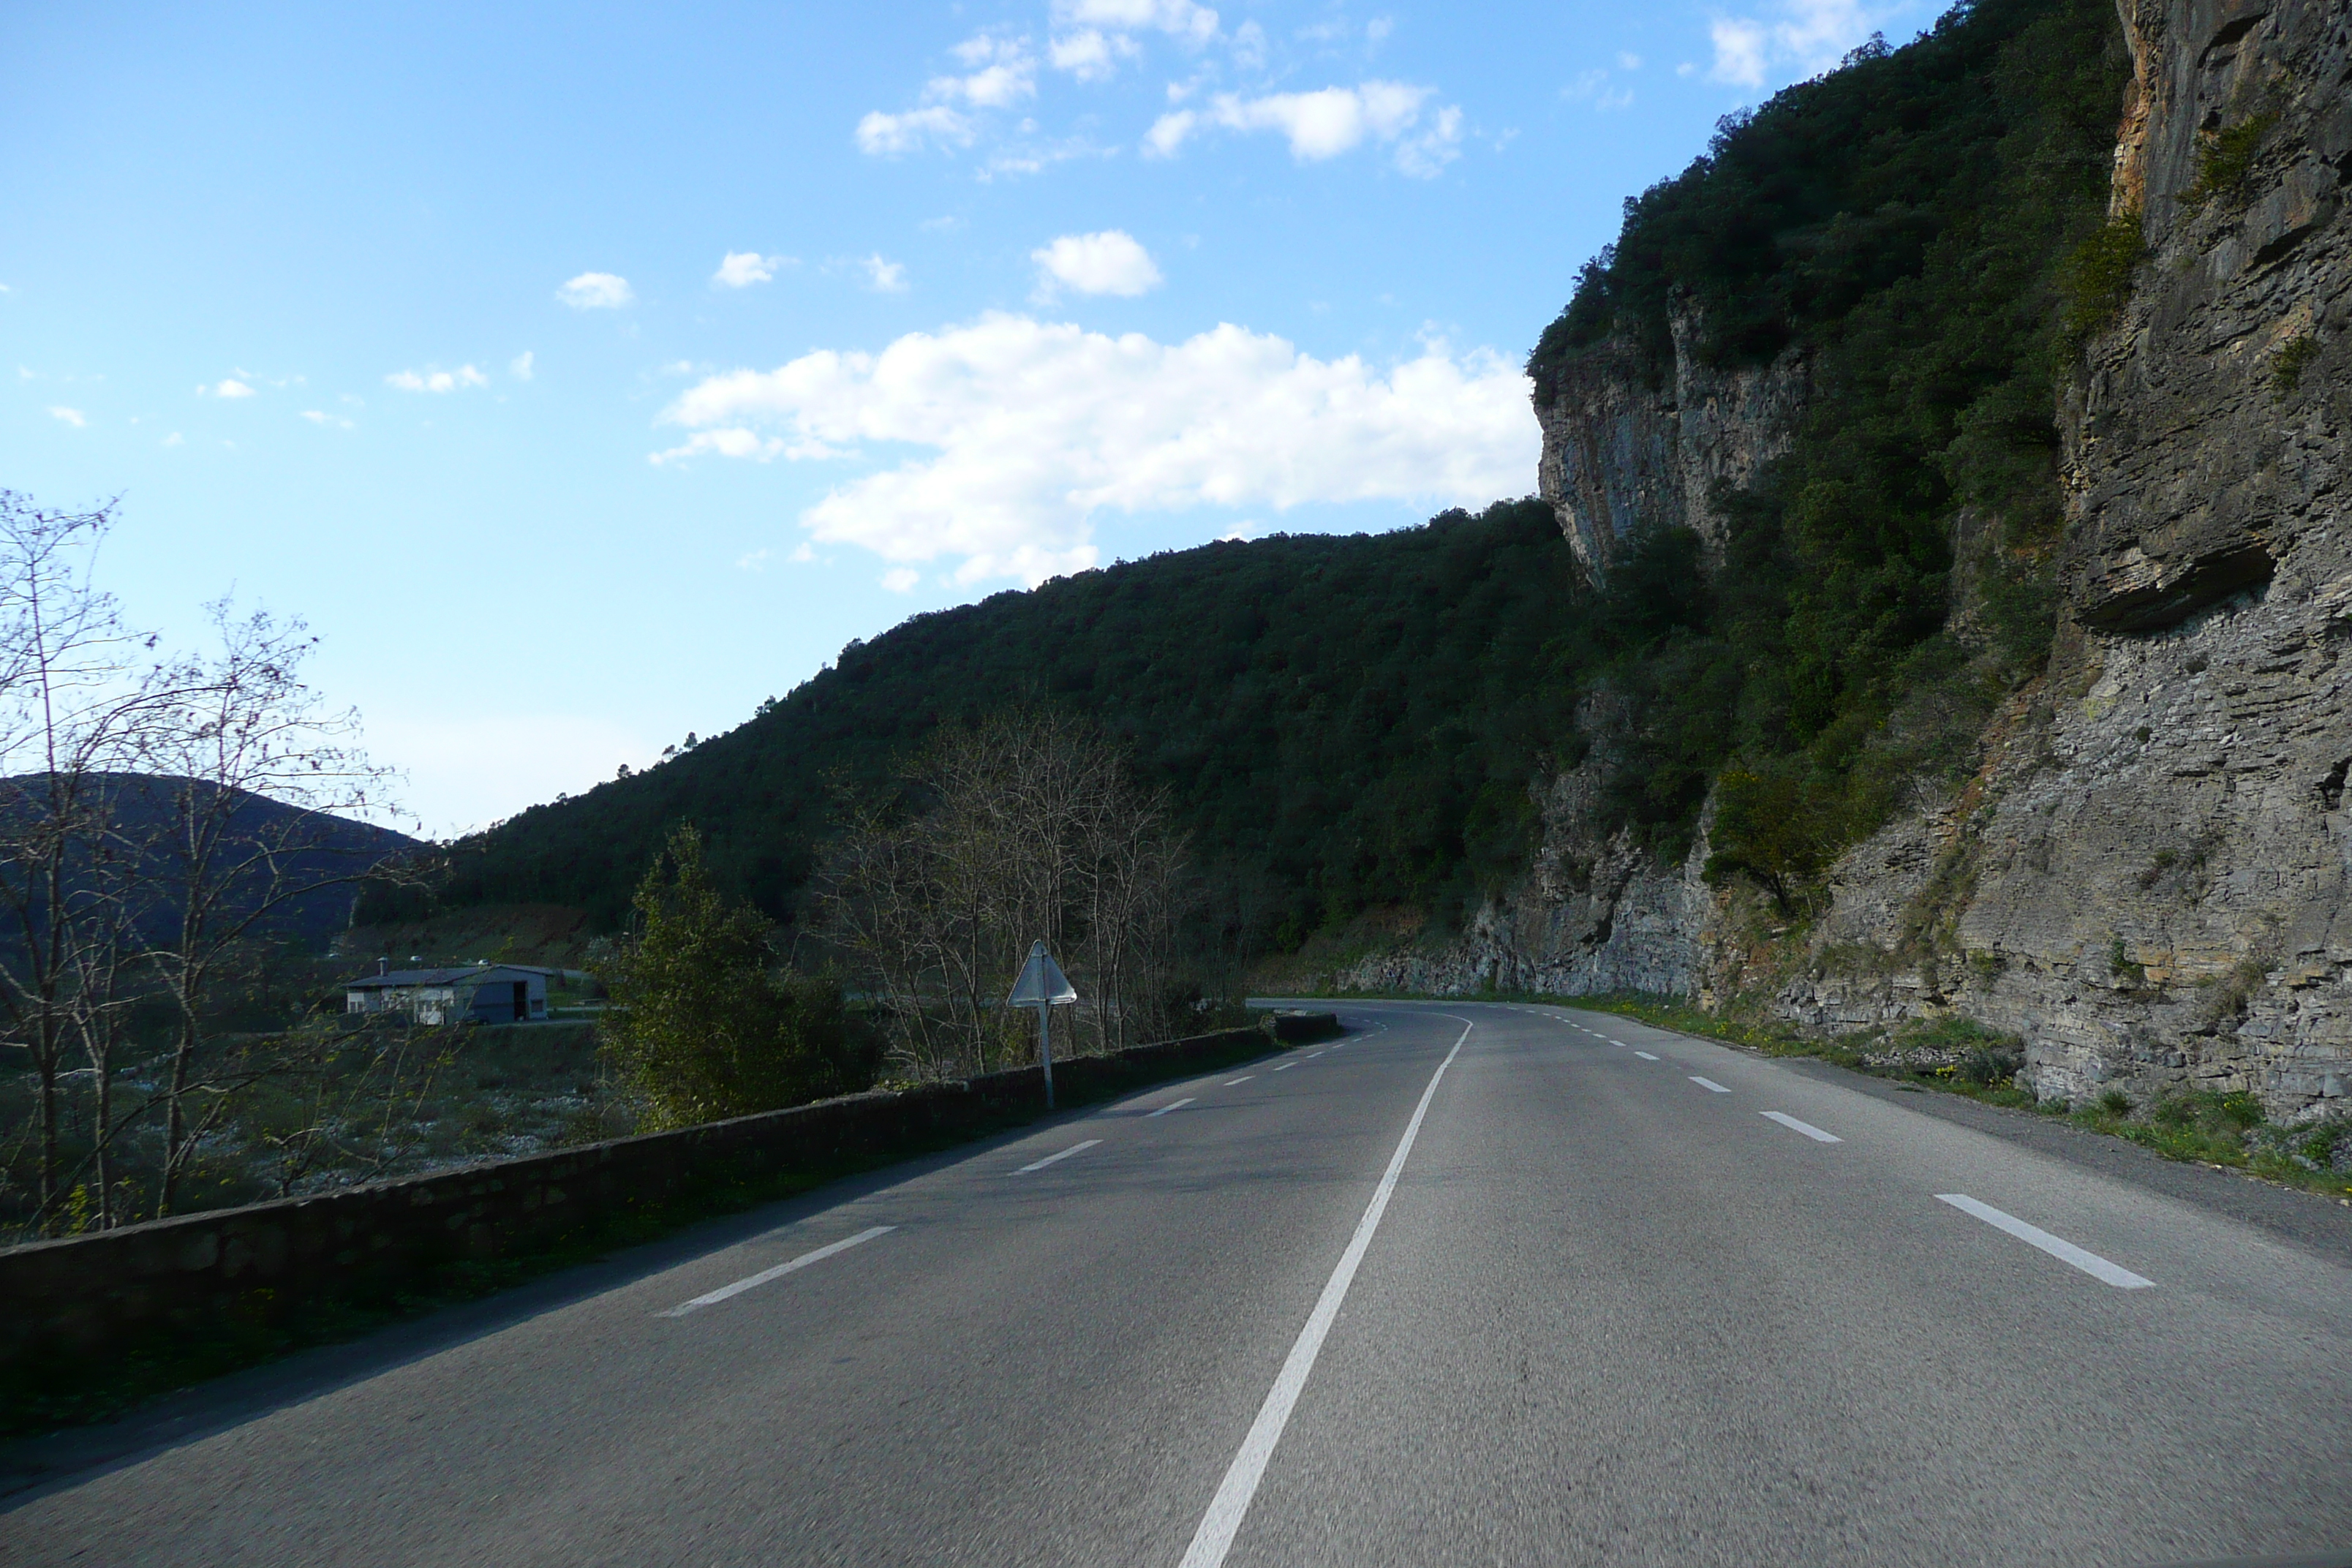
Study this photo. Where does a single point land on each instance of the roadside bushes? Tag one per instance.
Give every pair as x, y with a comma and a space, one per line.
702, 1026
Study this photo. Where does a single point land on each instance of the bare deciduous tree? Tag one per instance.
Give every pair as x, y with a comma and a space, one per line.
1025, 827
73, 696
242, 724
145, 846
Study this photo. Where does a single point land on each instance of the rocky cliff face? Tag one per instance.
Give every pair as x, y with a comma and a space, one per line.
1593, 914
1621, 453
2148, 877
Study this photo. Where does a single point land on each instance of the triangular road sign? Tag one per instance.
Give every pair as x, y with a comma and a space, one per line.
1042, 983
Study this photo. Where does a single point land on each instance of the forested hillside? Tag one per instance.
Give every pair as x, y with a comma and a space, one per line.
1349, 722
1338, 720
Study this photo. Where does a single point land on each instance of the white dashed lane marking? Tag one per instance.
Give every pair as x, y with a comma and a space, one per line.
1709, 1084
1173, 1105
751, 1282
1051, 1159
2090, 1263
1807, 1128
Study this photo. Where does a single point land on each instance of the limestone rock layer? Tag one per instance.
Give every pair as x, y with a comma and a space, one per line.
2148, 877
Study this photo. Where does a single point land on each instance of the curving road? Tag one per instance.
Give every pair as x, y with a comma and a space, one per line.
1477, 1284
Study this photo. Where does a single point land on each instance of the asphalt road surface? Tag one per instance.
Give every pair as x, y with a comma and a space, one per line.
1480, 1284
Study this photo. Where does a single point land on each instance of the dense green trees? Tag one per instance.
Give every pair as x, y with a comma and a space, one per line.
702, 1023
1336, 721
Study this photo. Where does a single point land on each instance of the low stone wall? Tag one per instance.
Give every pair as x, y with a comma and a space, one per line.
1304, 1028
235, 1271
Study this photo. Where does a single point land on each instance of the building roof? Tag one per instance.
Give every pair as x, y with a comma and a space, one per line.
469, 974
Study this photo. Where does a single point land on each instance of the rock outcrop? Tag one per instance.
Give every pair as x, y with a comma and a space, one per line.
1621, 453
1594, 913
2147, 878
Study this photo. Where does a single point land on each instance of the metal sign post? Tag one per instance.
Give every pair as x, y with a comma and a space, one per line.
1043, 986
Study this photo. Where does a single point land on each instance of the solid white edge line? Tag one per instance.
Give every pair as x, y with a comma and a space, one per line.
1223, 1521
754, 1282
2065, 1251
1807, 1128
1708, 1083
1073, 1149
1172, 1105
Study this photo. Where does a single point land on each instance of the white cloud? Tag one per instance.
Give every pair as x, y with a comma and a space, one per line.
228, 386
885, 277
1437, 144
753, 560
901, 579
465, 376
742, 268
1740, 51
1090, 54
1112, 262
173, 440
1327, 123
1377, 30
1249, 46
1036, 428
1168, 132
802, 555
73, 416
1801, 37
596, 291
1594, 86
733, 443
523, 366
1178, 18
1631, 62
322, 418
880, 135
1006, 74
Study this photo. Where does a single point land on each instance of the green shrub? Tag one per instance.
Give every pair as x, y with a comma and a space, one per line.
1775, 825
701, 1025
2224, 158
2286, 370
2096, 277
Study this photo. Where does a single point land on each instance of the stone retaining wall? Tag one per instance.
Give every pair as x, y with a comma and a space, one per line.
90, 1297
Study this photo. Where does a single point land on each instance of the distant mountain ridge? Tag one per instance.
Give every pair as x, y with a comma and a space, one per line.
316, 851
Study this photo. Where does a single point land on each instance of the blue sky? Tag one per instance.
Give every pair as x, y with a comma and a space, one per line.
585, 374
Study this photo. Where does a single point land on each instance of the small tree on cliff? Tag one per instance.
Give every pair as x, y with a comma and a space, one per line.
1771, 826
702, 1027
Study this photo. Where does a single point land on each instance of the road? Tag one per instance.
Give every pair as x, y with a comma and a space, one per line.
1477, 1284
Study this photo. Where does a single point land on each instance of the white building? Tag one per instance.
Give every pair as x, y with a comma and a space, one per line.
478, 994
